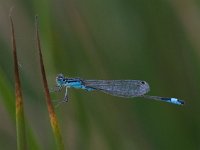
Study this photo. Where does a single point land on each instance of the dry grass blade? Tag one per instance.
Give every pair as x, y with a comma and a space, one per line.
20, 124
52, 115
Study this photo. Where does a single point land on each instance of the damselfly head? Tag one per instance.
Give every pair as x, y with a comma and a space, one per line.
60, 79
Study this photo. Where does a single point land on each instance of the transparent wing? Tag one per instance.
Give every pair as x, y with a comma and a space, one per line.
122, 88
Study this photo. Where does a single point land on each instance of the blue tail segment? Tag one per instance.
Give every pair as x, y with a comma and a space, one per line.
165, 99
173, 100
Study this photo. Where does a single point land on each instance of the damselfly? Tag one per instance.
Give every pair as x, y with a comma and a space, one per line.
120, 88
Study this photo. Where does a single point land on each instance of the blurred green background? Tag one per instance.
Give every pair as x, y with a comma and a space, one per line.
157, 41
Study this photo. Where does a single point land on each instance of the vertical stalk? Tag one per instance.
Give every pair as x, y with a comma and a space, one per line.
20, 124
52, 115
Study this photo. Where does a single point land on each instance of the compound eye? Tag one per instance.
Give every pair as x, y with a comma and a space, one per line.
60, 76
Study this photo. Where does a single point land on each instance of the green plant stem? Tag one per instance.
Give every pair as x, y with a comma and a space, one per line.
52, 115
20, 124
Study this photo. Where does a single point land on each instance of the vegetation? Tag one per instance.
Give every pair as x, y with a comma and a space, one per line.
156, 41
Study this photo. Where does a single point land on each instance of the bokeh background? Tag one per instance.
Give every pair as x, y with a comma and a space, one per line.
157, 41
